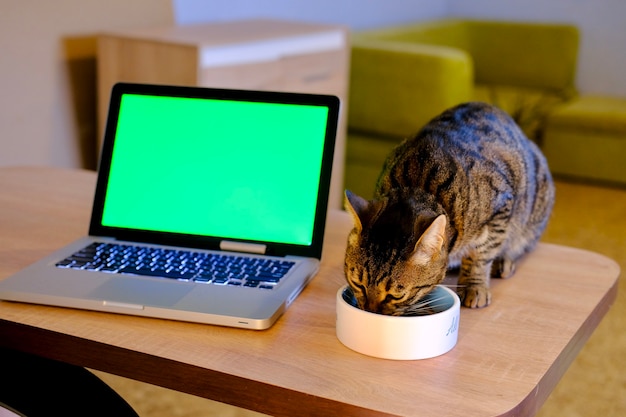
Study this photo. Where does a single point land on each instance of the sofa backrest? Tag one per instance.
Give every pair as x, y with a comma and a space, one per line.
538, 55
451, 33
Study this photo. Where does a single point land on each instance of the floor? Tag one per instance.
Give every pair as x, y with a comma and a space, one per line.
585, 216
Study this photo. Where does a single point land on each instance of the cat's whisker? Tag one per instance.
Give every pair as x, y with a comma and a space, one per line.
427, 306
428, 301
425, 310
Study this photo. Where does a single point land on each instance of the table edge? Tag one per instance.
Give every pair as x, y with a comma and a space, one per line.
535, 399
190, 379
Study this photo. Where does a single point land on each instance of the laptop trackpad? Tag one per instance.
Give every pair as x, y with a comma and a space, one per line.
145, 292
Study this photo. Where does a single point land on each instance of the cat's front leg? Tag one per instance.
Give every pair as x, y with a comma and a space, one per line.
473, 286
477, 264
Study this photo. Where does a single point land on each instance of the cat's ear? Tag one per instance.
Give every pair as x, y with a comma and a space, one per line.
356, 206
431, 241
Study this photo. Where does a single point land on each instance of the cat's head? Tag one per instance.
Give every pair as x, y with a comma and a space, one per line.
396, 253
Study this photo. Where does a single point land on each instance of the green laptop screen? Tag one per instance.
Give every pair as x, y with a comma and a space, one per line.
230, 169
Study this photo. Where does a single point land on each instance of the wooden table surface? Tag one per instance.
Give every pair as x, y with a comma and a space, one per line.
508, 358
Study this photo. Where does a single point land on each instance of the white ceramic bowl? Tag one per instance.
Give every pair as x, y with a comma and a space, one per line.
399, 337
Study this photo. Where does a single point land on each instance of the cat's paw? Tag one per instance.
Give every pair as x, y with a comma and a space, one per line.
502, 268
475, 296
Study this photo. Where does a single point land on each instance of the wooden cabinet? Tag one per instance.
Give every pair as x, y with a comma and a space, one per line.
251, 54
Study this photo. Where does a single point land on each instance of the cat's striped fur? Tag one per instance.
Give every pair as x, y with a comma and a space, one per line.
468, 190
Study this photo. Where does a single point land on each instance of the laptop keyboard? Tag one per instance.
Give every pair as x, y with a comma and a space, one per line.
179, 264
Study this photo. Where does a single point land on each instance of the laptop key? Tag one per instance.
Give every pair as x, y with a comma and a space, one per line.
157, 273
179, 265
65, 263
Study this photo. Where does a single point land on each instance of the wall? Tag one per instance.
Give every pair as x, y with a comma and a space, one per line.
602, 56
356, 14
47, 74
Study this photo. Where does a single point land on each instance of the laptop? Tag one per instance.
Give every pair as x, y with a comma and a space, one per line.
210, 207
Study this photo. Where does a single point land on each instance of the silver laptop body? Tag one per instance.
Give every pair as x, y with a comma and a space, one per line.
198, 174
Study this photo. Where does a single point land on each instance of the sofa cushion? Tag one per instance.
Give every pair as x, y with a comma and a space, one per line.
592, 114
587, 139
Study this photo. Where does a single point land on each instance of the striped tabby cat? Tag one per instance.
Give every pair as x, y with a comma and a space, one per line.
468, 190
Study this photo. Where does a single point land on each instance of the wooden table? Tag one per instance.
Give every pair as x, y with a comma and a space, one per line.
508, 358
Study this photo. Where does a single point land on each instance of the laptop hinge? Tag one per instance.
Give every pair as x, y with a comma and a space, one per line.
243, 247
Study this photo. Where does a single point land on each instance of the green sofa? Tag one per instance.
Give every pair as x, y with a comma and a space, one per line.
403, 76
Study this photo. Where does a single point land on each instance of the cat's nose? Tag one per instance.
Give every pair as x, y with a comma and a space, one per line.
373, 306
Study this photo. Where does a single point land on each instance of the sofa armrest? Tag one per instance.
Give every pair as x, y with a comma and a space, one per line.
397, 87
